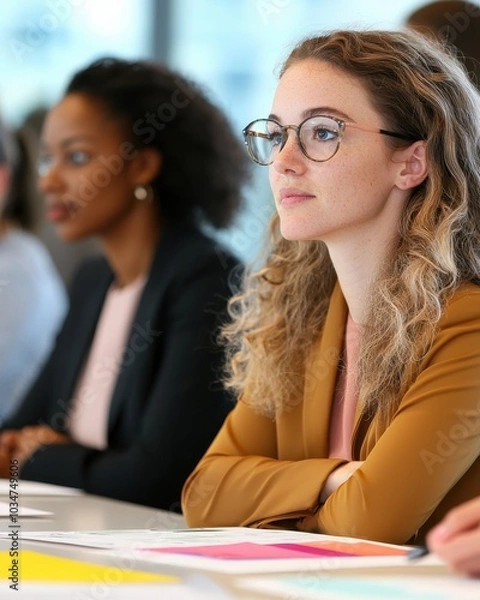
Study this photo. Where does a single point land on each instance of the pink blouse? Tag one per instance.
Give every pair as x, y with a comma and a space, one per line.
90, 406
346, 396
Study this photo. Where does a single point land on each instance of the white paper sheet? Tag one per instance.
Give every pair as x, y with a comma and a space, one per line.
23, 511
146, 545
178, 591
141, 538
328, 587
35, 488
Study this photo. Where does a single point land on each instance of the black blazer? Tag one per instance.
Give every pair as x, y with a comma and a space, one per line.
167, 404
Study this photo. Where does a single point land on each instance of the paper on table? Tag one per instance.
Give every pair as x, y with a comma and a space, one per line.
268, 565
126, 591
146, 538
283, 554
152, 591
23, 511
236, 550
327, 587
78, 579
35, 488
143, 538
36, 566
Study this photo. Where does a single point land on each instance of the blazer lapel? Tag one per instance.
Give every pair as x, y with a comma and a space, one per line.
84, 332
321, 376
145, 320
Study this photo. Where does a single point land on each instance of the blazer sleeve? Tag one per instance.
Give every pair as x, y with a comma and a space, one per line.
431, 443
409, 468
241, 481
180, 415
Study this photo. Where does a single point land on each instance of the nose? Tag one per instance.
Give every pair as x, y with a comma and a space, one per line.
290, 157
50, 179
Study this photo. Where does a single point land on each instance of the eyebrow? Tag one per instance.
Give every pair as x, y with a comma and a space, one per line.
71, 140
320, 110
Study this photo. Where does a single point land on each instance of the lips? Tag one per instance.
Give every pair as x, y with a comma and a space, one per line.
58, 212
293, 196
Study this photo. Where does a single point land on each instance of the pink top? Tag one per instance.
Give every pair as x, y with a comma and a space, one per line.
90, 406
346, 396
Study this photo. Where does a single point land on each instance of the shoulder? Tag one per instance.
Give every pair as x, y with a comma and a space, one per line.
463, 306
26, 263
90, 271
192, 242
23, 251
31, 288
185, 252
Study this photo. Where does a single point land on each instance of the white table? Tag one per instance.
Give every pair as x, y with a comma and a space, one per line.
87, 512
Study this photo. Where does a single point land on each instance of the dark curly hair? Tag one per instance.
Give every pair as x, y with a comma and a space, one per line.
457, 24
16, 205
204, 164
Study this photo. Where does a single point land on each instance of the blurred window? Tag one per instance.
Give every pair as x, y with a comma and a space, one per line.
233, 47
42, 42
230, 47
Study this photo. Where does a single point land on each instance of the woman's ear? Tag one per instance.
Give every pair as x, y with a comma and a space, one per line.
413, 167
147, 165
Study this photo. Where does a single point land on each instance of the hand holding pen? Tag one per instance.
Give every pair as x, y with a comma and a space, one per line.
456, 539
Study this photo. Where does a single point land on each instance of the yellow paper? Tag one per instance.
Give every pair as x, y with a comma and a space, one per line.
36, 566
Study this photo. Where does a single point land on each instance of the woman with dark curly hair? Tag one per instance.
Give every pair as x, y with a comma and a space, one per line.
137, 156
457, 24
355, 349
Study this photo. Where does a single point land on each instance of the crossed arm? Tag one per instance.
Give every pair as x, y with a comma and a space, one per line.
261, 473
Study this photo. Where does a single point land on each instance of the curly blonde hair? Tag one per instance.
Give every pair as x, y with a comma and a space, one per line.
424, 93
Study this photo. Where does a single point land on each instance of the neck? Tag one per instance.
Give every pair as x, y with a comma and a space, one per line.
130, 248
361, 252
358, 263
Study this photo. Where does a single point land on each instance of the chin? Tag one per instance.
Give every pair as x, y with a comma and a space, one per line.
298, 233
70, 234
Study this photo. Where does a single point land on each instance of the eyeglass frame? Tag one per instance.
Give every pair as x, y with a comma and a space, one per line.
296, 128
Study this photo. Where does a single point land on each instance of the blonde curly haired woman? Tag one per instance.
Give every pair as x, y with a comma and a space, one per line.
355, 350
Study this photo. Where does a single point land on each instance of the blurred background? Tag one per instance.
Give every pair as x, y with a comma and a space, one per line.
232, 48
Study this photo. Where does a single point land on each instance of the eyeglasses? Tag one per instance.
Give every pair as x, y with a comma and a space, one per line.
319, 137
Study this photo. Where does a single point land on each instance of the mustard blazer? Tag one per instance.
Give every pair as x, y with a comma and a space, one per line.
264, 473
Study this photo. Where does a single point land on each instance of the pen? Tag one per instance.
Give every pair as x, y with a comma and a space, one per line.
417, 552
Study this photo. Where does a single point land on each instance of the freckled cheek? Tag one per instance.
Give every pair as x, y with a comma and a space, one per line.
272, 179
358, 176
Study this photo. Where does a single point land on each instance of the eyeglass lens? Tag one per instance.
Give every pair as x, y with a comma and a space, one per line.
318, 138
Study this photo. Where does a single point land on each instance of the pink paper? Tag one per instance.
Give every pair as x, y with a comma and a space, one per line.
251, 551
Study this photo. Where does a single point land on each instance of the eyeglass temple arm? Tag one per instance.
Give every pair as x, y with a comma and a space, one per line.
256, 134
396, 135
400, 136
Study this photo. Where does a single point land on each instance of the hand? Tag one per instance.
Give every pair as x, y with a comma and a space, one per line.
9, 440
339, 476
4, 465
8, 445
457, 538
24, 442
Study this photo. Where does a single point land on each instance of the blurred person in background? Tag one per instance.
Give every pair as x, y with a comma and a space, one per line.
458, 25
33, 301
137, 156
66, 257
